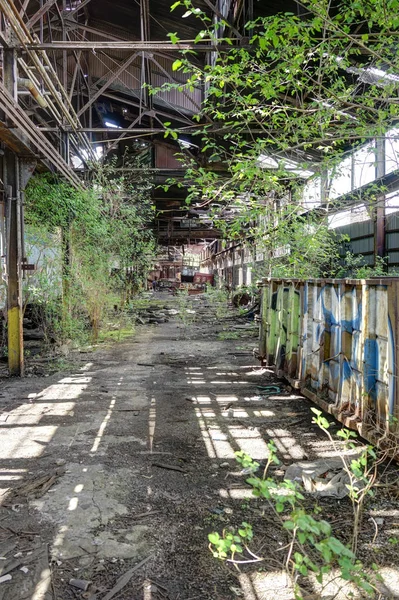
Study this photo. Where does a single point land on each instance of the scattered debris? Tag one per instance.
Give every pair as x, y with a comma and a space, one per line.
144, 514
34, 488
124, 580
24, 570
80, 584
5, 578
216, 511
237, 591
269, 389
324, 477
169, 467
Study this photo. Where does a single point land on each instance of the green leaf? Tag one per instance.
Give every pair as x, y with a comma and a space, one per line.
213, 538
301, 537
174, 38
176, 64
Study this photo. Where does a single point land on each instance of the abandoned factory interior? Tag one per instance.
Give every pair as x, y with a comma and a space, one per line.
199, 299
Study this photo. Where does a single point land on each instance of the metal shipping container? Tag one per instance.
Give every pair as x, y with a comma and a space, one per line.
336, 340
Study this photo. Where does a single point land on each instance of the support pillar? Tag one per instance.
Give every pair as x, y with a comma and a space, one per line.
13, 261
16, 173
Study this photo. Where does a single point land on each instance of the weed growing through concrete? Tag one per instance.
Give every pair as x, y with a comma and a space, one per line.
313, 552
186, 313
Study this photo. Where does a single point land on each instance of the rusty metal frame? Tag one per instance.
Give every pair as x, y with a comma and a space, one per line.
113, 75
40, 13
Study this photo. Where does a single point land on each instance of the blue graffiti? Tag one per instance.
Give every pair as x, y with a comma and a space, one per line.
335, 326
371, 358
392, 382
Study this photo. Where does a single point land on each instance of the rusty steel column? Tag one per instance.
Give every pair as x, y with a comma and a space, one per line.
11, 175
13, 254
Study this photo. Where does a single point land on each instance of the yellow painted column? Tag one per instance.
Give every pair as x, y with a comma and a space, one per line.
15, 345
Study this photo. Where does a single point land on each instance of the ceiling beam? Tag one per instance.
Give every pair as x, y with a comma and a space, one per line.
120, 130
128, 45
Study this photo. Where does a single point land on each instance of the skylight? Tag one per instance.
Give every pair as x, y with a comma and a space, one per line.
267, 162
111, 125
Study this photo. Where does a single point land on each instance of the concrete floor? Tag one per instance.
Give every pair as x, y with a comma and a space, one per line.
85, 491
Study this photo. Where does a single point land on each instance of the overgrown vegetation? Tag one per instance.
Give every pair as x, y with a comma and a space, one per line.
313, 552
105, 250
283, 110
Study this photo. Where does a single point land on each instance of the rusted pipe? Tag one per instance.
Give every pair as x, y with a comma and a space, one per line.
29, 85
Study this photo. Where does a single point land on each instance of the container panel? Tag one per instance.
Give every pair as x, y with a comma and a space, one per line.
337, 339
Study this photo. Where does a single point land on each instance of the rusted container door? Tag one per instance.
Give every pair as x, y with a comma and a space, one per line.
337, 340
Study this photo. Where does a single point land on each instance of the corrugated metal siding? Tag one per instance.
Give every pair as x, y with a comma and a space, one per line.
165, 157
392, 241
392, 221
362, 239
363, 245
99, 65
357, 230
337, 341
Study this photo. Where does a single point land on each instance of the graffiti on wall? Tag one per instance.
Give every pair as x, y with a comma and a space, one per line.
339, 338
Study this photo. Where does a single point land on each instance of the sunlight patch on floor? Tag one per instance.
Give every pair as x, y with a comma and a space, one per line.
250, 441
390, 576
12, 474
147, 587
235, 413
220, 442
32, 414
106, 419
20, 441
220, 399
286, 443
210, 448
384, 513
236, 493
42, 586
25, 442
334, 586
228, 382
152, 418
266, 586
